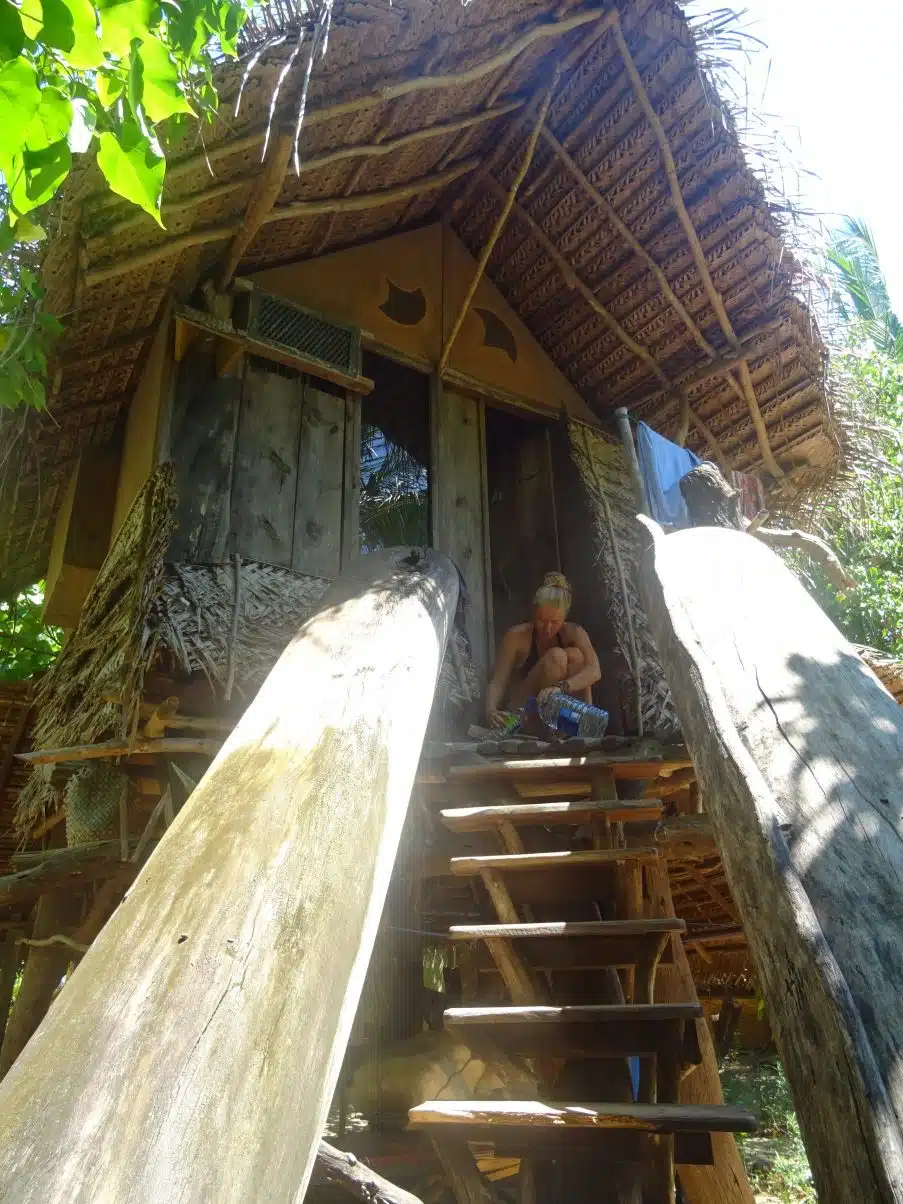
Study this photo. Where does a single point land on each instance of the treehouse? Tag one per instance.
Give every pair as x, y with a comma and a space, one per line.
505, 222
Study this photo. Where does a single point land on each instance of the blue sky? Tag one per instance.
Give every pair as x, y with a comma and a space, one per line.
831, 82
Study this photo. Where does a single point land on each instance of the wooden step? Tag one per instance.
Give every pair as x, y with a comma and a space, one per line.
463, 1117
581, 945
619, 1132
548, 815
567, 859
587, 1030
625, 766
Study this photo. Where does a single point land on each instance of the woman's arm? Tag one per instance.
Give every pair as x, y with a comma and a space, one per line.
501, 676
590, 673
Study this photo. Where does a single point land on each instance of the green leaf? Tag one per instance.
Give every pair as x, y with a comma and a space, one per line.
32, 16
19, 100
133, 168
121, 21
163, 94
59, 28
29, 231
135, 88
87, 49
12, 36
109, 86
45, 170
51, 121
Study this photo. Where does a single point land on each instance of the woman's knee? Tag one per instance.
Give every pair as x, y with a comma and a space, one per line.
575, 661
555, 664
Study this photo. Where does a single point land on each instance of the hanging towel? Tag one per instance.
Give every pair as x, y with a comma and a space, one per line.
662, 464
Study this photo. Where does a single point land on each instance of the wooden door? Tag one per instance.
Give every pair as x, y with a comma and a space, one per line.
458, 520
523, 533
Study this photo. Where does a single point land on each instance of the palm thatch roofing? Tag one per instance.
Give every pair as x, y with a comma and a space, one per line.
641, 247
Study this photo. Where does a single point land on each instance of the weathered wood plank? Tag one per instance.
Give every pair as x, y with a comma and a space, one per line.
458, 509
799, 751
351, 484
220, 995
650, 1118
202, 448
317, 546
266, 466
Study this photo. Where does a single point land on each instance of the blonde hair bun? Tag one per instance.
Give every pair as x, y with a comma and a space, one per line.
554, 591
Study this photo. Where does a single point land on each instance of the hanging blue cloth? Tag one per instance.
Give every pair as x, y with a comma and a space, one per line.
662, 464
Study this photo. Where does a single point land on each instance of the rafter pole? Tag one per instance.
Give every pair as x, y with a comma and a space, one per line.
208, 234
264, 197
695, 246
500, 223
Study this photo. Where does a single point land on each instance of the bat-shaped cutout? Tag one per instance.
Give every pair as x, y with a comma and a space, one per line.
497, 334
405, 306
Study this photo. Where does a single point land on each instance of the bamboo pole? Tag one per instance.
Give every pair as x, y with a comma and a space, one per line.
226, 985
499, 223
696, 246
364, 150
538, 32
266, 193
299, 209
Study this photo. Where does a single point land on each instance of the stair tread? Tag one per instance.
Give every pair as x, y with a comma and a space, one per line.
623, 765
565, 928
539, 861
486, 817
651, 1118
584, 1013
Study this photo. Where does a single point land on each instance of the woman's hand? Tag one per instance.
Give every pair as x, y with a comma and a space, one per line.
496, 719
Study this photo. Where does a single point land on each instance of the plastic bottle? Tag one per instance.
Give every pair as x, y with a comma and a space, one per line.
570, 717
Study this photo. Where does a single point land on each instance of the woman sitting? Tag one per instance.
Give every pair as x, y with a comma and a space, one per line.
546, 653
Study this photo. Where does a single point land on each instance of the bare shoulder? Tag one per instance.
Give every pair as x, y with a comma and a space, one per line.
573, 633
519, 633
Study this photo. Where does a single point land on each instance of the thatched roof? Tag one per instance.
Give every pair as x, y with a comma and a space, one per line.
591, 293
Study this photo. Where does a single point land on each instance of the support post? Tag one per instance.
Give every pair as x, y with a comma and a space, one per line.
630, 457
223, 989
798, 750
43, 972
9, 967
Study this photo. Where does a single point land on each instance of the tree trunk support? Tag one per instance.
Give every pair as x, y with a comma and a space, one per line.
227, 981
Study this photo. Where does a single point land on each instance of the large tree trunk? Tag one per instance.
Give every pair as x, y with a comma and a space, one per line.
194, 1053
799, 750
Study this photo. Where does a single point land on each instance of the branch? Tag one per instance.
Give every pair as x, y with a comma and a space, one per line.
335, 1166
816, 549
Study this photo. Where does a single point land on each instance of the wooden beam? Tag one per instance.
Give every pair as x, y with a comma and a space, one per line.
310, 163
499, 223
248, 932
363, 201
44, 968
213, 154
725, 1181
695, 245
798, 749
122, 748
264, 196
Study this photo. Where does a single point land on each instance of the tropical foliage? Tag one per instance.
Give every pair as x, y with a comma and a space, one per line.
76, 76
27, 644
394, 495
860, 290
864, 521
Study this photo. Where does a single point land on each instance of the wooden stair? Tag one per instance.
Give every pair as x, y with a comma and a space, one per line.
572, 923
